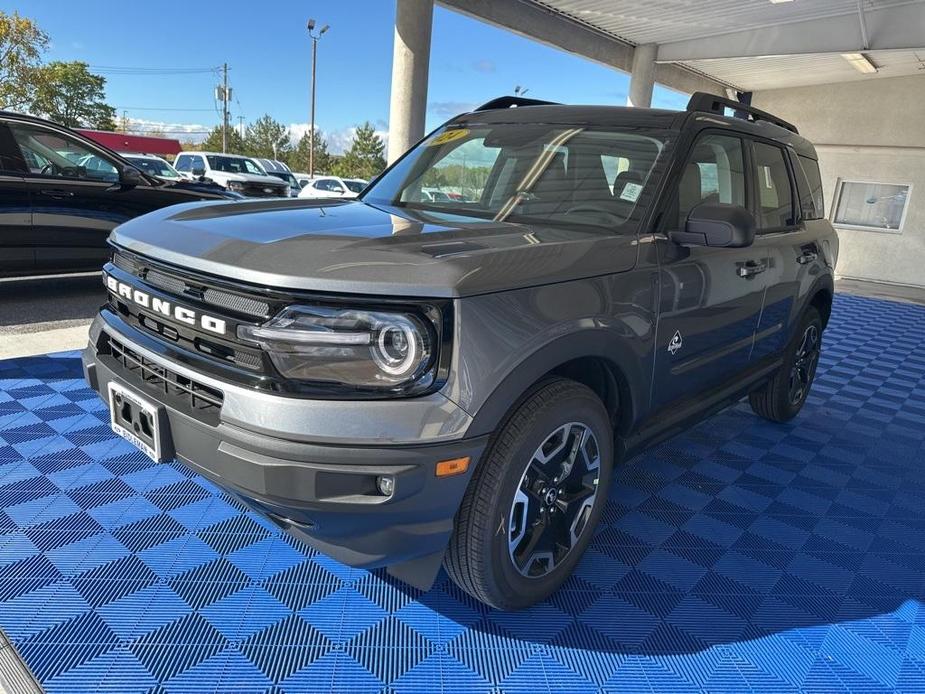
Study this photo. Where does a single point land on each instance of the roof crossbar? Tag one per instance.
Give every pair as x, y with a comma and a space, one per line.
511, 101
710, 103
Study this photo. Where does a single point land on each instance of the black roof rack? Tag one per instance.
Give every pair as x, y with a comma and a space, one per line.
509, 101
710, 103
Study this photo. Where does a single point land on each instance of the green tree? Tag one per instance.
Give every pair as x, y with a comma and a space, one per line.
21, 45
69, 94
366, 156
267, 138
298, 160
213, 143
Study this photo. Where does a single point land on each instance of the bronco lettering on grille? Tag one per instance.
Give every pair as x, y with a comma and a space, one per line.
164, 308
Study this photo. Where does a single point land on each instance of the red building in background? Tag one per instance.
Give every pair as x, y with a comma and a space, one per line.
125, 142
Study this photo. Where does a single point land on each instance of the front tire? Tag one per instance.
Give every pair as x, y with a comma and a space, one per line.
782, 398
536, 497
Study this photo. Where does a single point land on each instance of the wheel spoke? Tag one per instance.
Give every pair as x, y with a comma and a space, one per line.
553, 500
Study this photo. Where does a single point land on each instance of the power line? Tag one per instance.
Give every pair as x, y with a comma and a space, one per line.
160, 108
118, 70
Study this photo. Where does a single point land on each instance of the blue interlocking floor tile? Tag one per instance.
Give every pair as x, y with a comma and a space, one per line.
740, 556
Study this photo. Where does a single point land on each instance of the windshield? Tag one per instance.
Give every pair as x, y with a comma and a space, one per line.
154, 167
525, 172
355, 186
234, 165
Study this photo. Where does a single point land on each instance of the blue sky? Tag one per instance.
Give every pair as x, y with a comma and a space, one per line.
268, 52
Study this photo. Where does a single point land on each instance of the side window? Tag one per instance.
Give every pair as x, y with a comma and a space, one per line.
811, 169
183, 163
48, 153
715, 172
774, 196
197, 163
804, 189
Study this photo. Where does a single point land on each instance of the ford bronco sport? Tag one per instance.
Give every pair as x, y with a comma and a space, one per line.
413, 381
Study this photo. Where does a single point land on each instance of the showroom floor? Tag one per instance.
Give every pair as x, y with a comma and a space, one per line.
741, 556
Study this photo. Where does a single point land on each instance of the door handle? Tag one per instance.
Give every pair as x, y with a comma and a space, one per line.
807, 257
751, 268
57, 194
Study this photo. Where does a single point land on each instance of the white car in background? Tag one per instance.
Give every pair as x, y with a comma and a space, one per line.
333, 187
232, 171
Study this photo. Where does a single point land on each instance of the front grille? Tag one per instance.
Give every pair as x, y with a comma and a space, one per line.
201, 400
181, 287
234, 302
264, 190
174, 285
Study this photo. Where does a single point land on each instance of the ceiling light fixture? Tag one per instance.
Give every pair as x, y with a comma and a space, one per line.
860, 62
778, 2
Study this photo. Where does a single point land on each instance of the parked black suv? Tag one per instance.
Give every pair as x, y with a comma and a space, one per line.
62, 193
413, 379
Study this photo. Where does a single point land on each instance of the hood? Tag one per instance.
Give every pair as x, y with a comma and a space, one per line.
353, 247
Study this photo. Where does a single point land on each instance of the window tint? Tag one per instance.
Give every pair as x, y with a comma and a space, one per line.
775, 201
183, 163
804, 190
811, 169
715, 172
48, 153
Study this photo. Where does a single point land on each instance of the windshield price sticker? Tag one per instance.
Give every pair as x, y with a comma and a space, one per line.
447, 136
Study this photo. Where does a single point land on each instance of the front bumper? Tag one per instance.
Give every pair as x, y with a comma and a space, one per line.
323, 493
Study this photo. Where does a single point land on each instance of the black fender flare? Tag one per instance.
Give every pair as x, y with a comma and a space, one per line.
603, 344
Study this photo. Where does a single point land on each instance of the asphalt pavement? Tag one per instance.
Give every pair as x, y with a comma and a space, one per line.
48, 314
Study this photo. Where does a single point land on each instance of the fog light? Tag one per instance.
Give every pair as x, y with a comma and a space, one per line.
386, 485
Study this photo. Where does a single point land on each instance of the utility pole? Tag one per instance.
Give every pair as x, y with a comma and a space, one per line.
225, 96
311, 133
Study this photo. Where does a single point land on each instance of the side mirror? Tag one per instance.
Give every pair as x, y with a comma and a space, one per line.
130, 176
198, 172
717, 225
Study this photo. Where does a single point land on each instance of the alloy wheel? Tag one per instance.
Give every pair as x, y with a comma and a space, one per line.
554, 499
804, 364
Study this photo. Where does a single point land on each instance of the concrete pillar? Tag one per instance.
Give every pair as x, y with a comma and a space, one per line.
410, 64
642, 79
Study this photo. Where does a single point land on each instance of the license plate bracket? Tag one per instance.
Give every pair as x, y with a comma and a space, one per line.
140, 422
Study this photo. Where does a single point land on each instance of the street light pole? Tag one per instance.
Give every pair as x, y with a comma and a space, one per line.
311, 134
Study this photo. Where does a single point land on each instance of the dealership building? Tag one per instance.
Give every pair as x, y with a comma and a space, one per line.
849, 73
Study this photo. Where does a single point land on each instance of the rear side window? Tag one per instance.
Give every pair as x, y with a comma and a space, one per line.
811, 199
774, 193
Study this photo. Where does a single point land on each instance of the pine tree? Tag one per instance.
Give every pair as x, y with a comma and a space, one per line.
267, 138
366, 156
298, 161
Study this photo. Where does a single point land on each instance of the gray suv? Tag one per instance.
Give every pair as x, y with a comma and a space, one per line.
414, 380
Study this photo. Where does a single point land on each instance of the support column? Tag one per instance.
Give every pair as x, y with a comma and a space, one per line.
410, 65
642, 79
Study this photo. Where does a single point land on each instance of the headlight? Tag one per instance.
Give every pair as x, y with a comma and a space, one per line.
381, 350
237, 186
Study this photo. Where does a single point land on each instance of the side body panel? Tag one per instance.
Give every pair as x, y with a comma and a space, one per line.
507, 341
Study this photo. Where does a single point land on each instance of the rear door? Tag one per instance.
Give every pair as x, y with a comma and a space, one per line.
790, 235
16, 243
710, 298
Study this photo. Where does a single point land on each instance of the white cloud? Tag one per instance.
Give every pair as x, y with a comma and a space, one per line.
192, 132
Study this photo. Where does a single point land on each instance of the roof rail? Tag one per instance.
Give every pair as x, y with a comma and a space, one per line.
710, 103
510, 101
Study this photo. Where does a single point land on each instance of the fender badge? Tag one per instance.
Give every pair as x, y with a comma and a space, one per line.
676, 343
